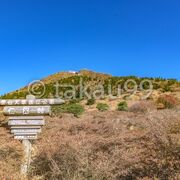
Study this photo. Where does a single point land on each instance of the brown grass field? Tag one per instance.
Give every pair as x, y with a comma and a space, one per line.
98, 146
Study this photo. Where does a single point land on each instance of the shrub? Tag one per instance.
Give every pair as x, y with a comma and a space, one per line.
73, 101
142, 106
102, 107
175, 128
156, 86
168, 101
122, 106
73, 108
62, 164
90, 101
57, 109
167, 88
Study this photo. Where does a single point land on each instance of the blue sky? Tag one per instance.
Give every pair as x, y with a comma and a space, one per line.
120, 37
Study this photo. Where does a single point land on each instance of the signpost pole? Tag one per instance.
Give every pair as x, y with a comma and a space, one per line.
27, 151
27, 156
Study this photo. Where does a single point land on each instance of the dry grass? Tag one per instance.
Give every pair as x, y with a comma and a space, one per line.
10, 154
142, 106
100, 145
103, 145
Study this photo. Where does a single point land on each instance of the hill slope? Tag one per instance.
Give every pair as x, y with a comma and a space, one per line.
91, 79
133, 140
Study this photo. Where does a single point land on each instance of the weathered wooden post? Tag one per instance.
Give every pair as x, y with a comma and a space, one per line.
27, 156
26, 117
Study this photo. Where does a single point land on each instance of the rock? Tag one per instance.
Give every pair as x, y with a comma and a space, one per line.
160, 106
131, 128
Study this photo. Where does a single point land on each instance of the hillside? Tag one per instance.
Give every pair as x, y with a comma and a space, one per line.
100, 146
111, 138
93, 80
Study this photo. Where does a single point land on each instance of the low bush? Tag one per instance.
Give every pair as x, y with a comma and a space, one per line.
73, 101
60, 165
73, 108
168, 101
142, 106
175, 128
65, 163
167, 88
122, 106
102, 107
91, 101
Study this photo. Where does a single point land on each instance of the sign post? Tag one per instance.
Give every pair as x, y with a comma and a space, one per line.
27, 156
26, 118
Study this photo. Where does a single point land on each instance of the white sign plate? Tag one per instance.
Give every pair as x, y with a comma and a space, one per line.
26, 110
16, 102
25, 117
25, 137
25, 127
24, 134
26, 122
25, 131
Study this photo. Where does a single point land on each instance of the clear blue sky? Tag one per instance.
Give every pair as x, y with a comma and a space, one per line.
121, 37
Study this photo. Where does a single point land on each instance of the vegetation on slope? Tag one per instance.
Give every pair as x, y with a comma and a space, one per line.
92, 80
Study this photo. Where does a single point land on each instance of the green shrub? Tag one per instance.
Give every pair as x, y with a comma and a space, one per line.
167, 88
73, 101
91, 101
76, 109
102, 107
73, 108
122, 106
156, 86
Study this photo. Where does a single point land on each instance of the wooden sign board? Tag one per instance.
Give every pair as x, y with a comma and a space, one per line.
25, 127
30, 134
25, 131
26, 122
24, 134
25, 117
27, 110
31, 102
25, 137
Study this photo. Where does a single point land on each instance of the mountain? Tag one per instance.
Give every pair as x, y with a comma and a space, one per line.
107, 138
91, 79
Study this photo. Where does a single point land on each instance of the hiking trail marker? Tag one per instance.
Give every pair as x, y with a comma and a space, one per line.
26, 118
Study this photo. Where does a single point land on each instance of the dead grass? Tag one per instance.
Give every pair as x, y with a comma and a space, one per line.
142, 106
10, 154
100, 145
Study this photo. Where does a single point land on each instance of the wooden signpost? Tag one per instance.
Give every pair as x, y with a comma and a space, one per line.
20, 130
30, 101
26, 118
27, 110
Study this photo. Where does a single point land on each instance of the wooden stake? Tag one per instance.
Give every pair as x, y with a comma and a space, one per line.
27, 157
